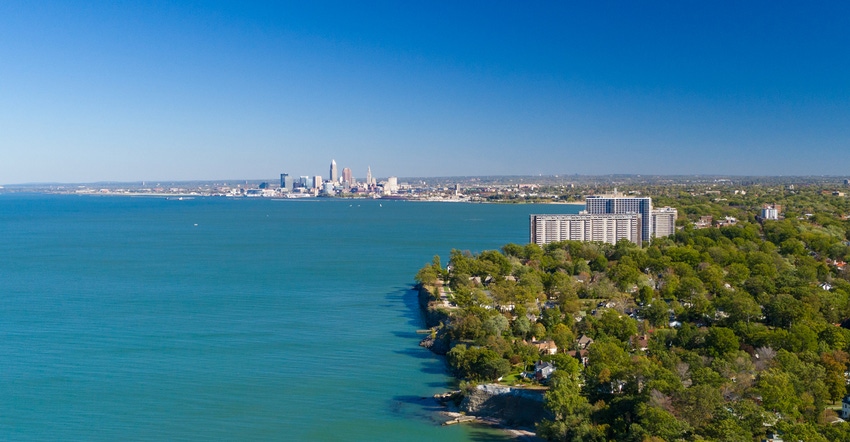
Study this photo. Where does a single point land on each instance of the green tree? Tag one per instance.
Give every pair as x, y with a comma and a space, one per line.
699, 404
835, 364
571, 411
607, 367
521, 327
660, 423
740, 306
427, 275
721, 341
599, 263
563, 337
538, 330
495, 325
656, 313
777, 391
491, 366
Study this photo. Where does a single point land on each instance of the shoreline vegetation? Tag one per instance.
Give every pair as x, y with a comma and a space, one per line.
735, 328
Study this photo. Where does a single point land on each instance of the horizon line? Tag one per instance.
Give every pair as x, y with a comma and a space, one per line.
446, 177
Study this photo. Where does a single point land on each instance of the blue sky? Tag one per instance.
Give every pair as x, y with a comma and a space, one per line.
126, 91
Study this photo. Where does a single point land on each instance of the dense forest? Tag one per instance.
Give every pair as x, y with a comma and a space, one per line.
719, 333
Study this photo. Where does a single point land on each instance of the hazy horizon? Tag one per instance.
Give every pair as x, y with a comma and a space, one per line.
564, 177
187, 92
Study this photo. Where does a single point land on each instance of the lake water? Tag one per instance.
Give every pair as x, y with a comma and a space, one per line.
131, 318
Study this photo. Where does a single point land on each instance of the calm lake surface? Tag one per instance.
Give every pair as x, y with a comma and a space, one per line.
134, 318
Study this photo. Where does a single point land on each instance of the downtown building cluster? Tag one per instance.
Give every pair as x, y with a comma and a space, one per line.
606, 219
336, 183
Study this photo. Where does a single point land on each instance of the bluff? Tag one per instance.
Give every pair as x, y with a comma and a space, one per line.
438, 342
514, 407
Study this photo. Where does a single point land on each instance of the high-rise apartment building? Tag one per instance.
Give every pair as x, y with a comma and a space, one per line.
334, 173
664, 221
604, 227
623, 205
771, 211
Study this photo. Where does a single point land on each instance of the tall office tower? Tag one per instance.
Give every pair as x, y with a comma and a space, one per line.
346, 176
304, 182
334, 175
286, 182
317, 182
623, 205
664, 221
603, 227
368, 176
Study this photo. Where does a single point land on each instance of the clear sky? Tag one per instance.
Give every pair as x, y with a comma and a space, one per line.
154, 90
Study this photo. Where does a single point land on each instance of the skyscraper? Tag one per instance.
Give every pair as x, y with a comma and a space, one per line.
623, 205
286, 182
368, 176
392, 185
334, 175
346, 176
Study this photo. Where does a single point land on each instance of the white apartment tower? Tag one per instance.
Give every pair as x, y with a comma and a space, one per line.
664, 221
771, 212
622, 205
604, 227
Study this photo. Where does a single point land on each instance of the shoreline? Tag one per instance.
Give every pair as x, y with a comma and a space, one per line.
185, 195
451, 401
514, 433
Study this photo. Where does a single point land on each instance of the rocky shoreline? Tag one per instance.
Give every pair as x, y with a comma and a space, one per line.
515, 410
437, 341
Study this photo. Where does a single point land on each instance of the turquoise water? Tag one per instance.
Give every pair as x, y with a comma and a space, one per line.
218, 319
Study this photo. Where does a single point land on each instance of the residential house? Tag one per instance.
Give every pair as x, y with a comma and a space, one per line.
583, 342
546, 347
542, 370
704, 222
640, 342
581, 355
845, 408
727, 221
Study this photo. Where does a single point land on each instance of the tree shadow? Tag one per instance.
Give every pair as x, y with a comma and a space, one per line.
425, 409
485, 433
412, 312
415, 320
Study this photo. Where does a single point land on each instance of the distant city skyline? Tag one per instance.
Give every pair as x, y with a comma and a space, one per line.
241, 90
